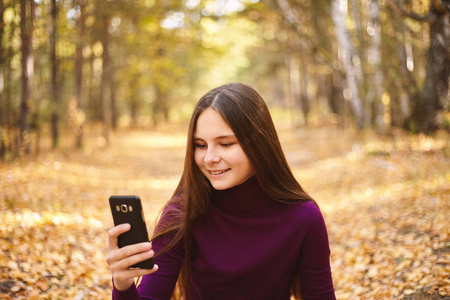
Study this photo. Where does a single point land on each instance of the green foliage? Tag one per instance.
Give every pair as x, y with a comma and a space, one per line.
165, 54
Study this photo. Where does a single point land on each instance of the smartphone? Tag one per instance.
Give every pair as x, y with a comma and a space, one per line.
128, 209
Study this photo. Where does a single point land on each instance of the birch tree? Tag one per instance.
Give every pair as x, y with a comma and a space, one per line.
348, 56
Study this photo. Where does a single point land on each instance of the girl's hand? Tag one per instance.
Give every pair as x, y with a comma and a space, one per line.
120, 259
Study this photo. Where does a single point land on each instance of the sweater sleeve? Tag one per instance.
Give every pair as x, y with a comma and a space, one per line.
314, 260
159, 285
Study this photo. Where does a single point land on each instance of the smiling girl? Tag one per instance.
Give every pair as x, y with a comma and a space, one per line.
239, 225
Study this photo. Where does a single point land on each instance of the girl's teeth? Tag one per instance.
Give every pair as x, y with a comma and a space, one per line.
218, 172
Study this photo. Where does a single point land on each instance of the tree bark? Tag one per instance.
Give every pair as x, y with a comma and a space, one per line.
294, 83
54, 76
105, 88
374, 58
404, 85
2, 81
304, 99
348, 53
79, 61
428, 105
27, 72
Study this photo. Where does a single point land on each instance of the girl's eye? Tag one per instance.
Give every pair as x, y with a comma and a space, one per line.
227, 145
201, 146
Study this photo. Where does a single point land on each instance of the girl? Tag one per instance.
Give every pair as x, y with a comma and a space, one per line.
239, 225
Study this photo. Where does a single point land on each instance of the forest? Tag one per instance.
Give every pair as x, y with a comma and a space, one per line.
95, 97
372, 64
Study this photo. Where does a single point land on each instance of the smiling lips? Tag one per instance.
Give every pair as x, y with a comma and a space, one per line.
219, 171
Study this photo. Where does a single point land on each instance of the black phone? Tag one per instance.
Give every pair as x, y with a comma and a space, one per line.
128, 209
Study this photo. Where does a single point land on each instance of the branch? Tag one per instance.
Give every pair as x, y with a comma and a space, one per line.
429, 18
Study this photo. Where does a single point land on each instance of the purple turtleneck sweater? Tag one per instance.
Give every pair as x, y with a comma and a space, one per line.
247, 247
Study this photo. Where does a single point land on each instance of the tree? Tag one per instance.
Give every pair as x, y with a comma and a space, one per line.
2, 84
104, 18
79, 61
428, 104
339, 13
54, 75
374, 59
26, 30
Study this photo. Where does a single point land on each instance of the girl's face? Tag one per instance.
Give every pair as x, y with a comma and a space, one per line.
218, 153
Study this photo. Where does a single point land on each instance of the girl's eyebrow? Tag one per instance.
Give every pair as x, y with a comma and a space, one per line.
218, 137
225, 136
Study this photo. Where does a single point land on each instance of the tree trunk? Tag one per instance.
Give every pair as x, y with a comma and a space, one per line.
79, 61
105, 88
374, 58
9, 113
133, 100
294, 84
403, 86
2, 82
113, 88
304, 99
158, 103
27, 72
343, 37
54, 75
426, 116
335, 99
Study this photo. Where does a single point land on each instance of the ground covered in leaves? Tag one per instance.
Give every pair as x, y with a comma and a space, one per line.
386, 202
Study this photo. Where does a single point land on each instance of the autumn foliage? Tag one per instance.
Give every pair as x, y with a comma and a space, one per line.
386, 202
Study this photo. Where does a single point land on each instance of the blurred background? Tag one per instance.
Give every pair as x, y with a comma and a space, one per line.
365, 63
95, 97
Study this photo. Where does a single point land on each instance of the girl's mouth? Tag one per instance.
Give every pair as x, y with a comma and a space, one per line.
219, 172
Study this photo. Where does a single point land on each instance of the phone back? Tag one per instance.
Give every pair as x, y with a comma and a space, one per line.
128, 209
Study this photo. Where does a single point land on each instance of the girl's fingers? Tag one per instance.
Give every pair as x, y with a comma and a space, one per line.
113, 234
127, 256
129, 260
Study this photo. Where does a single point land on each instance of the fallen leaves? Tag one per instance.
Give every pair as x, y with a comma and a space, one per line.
51, 255
387, 210
385, 202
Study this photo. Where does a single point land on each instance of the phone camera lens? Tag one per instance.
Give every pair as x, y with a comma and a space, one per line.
124, 208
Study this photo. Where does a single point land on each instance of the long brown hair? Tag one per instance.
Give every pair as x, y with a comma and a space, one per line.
248, 116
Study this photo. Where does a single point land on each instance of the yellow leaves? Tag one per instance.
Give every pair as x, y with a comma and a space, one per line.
386, 205
45, 254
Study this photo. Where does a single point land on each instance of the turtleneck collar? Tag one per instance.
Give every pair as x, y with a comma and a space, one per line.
240, 199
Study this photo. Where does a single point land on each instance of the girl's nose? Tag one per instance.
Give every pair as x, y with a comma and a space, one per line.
211, 156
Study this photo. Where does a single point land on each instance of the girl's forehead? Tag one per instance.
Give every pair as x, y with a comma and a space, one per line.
211, 124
